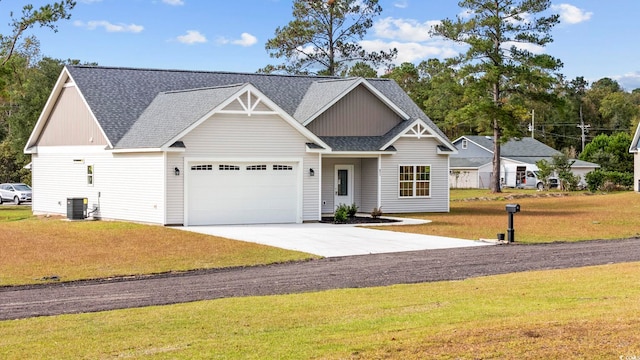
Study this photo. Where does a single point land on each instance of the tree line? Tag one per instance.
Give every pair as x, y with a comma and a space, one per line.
494, 88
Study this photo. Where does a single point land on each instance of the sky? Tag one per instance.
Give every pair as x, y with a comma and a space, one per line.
595, 38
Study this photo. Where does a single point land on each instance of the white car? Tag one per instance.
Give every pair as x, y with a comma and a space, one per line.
18, 193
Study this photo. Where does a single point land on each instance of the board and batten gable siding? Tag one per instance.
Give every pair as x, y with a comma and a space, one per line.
71, 122
359, 113
244, 138
125, 186
413, 151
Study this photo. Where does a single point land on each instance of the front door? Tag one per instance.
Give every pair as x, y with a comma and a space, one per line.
343, 185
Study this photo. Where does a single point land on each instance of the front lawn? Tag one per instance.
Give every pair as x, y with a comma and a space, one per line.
544, 217
38, 249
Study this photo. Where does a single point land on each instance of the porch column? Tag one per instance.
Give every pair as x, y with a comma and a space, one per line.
379, 181
319, 186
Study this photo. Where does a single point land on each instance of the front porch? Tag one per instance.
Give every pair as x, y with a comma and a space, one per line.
349, 180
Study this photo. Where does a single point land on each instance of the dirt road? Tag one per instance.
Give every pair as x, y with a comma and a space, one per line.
330, 273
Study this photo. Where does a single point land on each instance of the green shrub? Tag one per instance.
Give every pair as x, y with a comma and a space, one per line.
599, 180
341, 214
352, 210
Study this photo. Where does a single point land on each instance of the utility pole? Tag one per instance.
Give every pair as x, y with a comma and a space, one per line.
583, 127
533, 122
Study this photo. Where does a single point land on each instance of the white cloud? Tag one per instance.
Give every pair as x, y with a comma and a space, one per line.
412, 51
192, 37
532, 48
401, 4
245, 40
403, 29
570, 14
173, 2
628, 81
109, 27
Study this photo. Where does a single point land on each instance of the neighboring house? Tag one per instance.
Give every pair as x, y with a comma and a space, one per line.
194, 148
635, 149
472, 166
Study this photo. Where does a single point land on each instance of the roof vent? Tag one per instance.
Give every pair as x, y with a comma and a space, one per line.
488, 137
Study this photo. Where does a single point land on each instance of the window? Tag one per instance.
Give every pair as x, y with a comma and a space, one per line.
256, 167
90, 175
464, 144
414, 181
207, 167
282, 167
228, 167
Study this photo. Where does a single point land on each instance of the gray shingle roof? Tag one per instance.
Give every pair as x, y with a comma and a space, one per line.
526, 150
356, 143
172, 112
458, 162
119, 98
516, 147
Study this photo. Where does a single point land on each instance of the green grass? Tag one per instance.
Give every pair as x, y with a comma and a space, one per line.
586, 313
14, 213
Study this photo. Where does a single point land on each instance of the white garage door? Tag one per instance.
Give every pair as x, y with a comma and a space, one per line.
242, 193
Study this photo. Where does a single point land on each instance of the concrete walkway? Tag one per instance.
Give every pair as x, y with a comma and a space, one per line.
331, 240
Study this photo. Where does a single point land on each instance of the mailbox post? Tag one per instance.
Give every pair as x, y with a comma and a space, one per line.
511, 209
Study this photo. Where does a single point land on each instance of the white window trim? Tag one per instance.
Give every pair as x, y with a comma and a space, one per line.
91, 176
413, 182
465, 144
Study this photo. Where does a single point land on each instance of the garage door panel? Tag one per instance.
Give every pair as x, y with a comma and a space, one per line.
256, 192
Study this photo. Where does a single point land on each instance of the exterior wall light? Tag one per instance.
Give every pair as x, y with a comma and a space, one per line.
311, 172
176, 171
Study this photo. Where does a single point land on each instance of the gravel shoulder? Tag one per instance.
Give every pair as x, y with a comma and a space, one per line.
316, 275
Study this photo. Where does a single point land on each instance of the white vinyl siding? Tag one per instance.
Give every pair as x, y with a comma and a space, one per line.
369, 198
243, 138
415, 151
464, 179
636, 172
126, 186
175, 189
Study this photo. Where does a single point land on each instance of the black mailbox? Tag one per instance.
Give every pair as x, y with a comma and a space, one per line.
513, 208
511, 233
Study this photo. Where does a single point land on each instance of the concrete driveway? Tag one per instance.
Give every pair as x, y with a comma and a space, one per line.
331, 240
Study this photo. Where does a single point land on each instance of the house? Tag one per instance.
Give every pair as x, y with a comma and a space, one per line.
193, 148
472, 165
